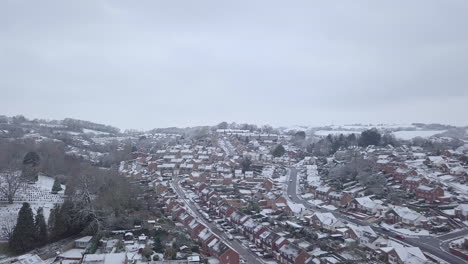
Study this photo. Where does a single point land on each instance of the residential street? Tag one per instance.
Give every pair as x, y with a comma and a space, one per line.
432, 245
246, 254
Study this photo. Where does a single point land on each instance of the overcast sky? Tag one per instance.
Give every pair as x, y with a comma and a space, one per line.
145, 64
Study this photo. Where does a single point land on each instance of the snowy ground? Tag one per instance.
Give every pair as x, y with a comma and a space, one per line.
407, 135
85, 130
37, 195
312, 174
461, 188
335, 132
405, 231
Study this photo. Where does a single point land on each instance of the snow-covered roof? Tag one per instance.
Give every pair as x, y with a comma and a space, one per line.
408, 214
366, 202
411, 255
327, 218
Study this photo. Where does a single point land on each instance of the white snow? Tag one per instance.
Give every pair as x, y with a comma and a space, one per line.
335, 132
37, 195
85, 130
312, 174
405, 231
295, 207
407, 135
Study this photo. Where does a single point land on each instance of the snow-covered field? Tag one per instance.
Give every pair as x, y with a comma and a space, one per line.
85, 130
335, 132
407, 135
37, 195
403, 134
369, 126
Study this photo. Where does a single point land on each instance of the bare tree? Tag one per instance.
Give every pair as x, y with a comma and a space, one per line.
10, 182
7, 225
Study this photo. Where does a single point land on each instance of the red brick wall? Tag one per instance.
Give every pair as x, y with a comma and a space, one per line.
229, 257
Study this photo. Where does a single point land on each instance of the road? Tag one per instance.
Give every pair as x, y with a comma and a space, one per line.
244, 253
436, 246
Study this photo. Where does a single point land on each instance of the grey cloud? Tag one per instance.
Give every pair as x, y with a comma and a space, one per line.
162, 63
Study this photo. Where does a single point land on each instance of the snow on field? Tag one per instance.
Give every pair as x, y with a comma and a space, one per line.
37, 195
296, 128
404, 134
405, 231
335, 132
73, 133
368, 126
105, 140
407, 135
85, 130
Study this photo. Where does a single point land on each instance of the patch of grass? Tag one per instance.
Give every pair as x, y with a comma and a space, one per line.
4, 250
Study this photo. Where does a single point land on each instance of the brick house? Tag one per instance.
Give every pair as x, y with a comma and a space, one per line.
366, 205
321, 193
248, 229
177, 212
258, 231
268, 241
461, 212
195, 228
402, 172
399, 214
326, 221
185, 219
204, 238
413, 182
428, 193
291, 254
339, 199
226, 210
364, 235
403, 255
224, 253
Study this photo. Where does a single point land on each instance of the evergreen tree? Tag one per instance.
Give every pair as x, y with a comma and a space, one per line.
31, 163
56, 187
41, 228
157, 245
62, 221
370, 137
246, 162
300, 135
52, 216
23, 238
278, 151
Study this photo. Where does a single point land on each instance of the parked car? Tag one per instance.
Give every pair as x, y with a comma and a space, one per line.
400, 236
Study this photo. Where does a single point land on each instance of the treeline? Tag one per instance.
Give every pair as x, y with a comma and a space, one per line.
78, 125
267, 129
72, 124
97, 198
332, 143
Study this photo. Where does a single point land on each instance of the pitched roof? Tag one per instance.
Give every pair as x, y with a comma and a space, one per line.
326, 218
